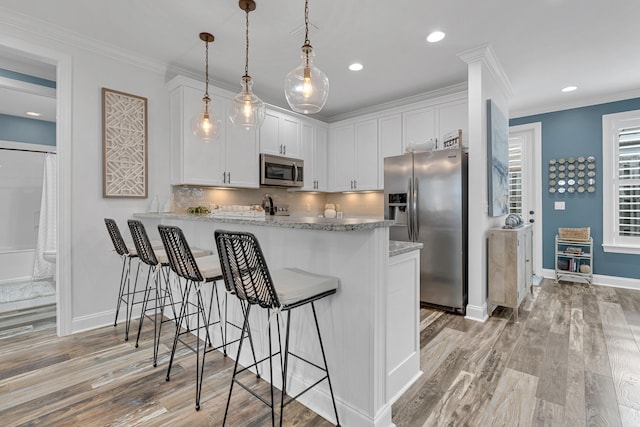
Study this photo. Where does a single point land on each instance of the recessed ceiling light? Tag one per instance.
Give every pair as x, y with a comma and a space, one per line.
34, 114
569, 88
435, 36
356, 66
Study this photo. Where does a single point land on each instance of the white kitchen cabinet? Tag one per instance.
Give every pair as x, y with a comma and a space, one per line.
230, 160
418, 126
280, 135
314, 151
390, 138
242, 159
367, 157
451, 117
354, 156
509, 266
342, 148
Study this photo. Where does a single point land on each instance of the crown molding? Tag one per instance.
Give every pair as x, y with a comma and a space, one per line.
578, 103
442, 92
64, 36
485, 54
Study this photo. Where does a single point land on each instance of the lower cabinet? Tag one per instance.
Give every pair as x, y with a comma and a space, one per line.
510, 268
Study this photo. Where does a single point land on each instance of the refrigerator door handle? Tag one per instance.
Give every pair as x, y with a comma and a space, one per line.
416, 213
410, 210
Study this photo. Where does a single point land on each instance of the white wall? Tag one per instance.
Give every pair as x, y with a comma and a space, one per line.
90, 268
486, 81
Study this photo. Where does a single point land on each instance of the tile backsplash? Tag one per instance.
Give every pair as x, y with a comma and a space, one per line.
300, 203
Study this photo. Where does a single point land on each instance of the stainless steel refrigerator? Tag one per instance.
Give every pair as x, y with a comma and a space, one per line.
426, 194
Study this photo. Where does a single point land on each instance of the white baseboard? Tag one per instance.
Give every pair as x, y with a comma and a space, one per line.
479, 314
602, 280
98, 320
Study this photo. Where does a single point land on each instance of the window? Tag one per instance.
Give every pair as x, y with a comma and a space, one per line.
515, 176
621, 182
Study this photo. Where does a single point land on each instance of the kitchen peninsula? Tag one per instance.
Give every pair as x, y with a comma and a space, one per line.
370, 327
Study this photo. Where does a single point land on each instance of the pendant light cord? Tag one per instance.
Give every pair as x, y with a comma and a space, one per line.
246, 58
206, 70
306, 22
306, 47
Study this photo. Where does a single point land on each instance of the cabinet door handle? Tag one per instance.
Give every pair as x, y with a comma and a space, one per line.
228, 177
284, 150
355, 184
224, 177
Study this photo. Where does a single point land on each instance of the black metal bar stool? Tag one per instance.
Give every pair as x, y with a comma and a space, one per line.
125, 294
245, 269
158, 263
197, 272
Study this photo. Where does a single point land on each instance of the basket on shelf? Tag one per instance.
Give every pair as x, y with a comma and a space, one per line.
575, 234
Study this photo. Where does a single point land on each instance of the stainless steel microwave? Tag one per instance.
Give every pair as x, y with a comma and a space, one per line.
281, 171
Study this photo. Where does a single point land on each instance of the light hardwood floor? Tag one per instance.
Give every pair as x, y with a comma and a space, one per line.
572, 360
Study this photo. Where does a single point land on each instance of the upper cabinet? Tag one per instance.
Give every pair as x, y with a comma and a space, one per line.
418, 126
314, 149
354, 158
230, 160
434, 121
280, 134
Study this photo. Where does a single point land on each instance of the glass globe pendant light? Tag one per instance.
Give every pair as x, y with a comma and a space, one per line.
306, 87
247, 110
205, 125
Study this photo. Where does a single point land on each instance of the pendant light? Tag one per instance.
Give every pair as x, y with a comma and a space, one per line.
306, 87
205, 125
247, 110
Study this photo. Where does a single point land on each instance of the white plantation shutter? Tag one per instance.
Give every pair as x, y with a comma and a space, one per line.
628, 182
515, 177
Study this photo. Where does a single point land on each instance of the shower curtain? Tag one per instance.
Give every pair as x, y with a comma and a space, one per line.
47, 225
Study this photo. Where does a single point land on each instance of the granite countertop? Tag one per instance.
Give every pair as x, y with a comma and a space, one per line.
303, 223
398, 248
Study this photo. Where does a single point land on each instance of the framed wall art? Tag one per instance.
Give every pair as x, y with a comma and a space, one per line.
124, 144
498, 160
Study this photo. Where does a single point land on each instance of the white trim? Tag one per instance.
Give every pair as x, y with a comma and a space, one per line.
611, 240
535, 188
64, 84
619, 248
487, 56
17, 145
578, 103
25, 87
454, 91
64, 69
602, 280
65, 37
479, 314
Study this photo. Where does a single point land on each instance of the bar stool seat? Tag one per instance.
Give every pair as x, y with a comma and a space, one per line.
245, 270
295, 286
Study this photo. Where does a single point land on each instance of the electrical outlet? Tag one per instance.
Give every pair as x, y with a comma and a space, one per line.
559, 206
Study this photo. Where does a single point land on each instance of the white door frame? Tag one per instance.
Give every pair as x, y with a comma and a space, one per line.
63, 63
532, 178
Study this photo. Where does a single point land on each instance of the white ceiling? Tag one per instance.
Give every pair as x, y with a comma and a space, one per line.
543, 45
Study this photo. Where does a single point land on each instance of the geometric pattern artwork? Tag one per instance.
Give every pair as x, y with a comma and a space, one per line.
124, 143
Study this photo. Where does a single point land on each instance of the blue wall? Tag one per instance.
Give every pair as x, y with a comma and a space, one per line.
27, 78
573, 133
21, 129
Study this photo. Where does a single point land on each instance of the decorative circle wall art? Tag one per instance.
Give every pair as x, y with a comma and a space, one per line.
571, 168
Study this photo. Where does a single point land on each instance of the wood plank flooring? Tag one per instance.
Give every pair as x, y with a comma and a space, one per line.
573, 359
